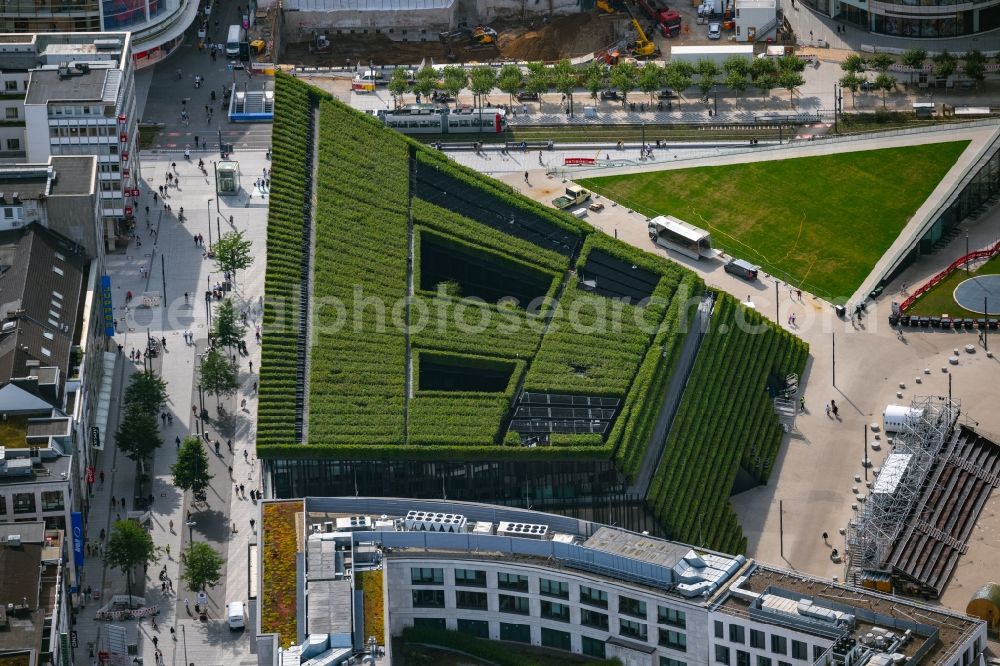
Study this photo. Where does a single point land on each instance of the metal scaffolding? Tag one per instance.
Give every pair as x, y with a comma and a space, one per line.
900, 483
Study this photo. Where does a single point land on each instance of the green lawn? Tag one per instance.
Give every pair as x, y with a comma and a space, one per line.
820, 223
940, 300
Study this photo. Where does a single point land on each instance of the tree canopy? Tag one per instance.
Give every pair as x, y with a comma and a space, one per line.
190, 470
146, 392
138, 435
218, 375
229, 329
130, 546
202, 566
233, 252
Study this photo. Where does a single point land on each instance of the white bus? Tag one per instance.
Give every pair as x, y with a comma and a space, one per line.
233, 41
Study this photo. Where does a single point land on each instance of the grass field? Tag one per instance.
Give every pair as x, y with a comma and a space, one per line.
820, 223
940, 300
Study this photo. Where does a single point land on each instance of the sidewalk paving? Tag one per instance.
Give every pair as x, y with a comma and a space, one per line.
161, 234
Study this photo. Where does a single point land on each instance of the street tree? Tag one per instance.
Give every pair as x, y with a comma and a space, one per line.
510, 80
944, 64
852, 82
454, 80
736, 64
537, 81
190, 470
138, 435
233, 253
595, 78
399, 84
424, 82
218, 375
202, 566
650, 79
677, 76
707, 73
482, 80
228, 328
624, 77
791, 63
884, 83
564, 80
130, 547
855, 63
975, 65
764, 74
790, 80
881, 62
146, 392
914, 59
737, 81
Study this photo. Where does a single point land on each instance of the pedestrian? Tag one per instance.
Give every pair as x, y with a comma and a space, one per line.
253, 495
173, 633
216, 447
526, 176
836, 410
196, 136
243, 405
123, 502
187, 605
242, 492
185, 297
167, 548
246, 455
156, 641
255, 387
229, 443
252, 524
164, 341
171, 526
251, 365
194, 409
230, 471
101, 476
234, 527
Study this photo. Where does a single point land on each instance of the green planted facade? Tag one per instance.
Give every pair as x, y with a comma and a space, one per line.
441, 298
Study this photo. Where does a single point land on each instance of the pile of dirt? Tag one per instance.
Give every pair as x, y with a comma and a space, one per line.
564, 37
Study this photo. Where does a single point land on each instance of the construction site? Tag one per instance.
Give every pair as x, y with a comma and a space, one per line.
445, 31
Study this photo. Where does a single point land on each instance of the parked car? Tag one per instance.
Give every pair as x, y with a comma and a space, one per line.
715, 30
610, 95
868, 86
526, 97
666, 93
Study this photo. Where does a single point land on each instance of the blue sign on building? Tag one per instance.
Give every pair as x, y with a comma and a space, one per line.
107, 306
77, 520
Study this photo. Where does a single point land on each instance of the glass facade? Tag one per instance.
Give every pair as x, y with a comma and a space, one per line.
928, 19
984, 184
954, 24
123, 14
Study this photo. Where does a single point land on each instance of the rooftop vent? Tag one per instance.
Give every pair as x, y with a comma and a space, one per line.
14, 540
432, 521
526, 530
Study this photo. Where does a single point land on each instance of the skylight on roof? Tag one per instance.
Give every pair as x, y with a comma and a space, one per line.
60, 256
48, 335
57, 270
46, 352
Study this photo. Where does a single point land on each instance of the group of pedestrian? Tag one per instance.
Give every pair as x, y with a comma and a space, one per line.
199, 241
833, 410
188, 337
791, 319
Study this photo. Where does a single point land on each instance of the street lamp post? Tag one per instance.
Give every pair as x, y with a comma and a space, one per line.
208, 211
215, 170
190, 525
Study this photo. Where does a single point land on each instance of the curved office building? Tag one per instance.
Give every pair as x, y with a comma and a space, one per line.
157, 26
915, 19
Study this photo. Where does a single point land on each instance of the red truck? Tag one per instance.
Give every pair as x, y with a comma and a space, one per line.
667, 20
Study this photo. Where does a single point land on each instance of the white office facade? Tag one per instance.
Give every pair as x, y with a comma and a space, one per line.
74, 94
545, 606
553, 582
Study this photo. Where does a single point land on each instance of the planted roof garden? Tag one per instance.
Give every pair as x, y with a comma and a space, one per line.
449, 318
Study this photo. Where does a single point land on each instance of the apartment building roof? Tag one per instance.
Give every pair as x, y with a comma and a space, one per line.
41, 275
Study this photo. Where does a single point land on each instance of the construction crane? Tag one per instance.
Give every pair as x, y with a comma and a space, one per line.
644, 48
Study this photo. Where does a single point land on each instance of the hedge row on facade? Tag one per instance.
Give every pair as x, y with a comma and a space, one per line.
442, 220
724, 413
294, 103
634, 427
494, 189
358, 353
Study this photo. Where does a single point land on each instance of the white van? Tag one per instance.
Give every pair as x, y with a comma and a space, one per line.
233, 41
234, 615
